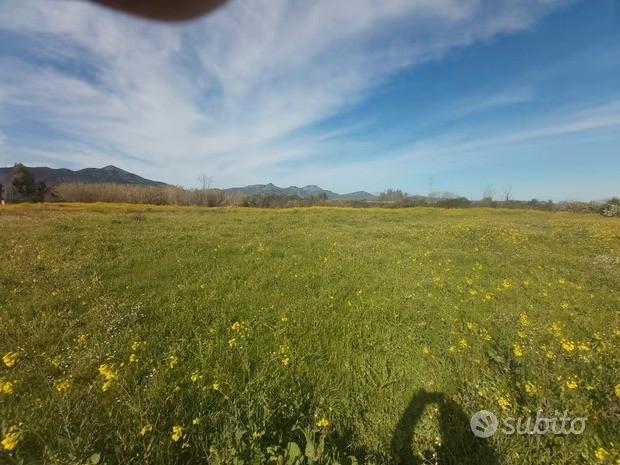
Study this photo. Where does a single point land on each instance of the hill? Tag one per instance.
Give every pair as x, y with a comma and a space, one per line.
303, 192
108, 173
112, 174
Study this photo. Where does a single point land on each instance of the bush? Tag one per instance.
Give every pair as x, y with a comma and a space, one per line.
611, 208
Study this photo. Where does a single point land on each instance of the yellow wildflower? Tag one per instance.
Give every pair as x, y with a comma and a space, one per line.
503, 402
583, 347
564, 306
11, 438
177, 433
506, 283
133, 358
146, 429
215, 386
568, 345
426, 350
283, 318
55, 361
196, 421
172, 361
517, 350
601, 454
236, 326
284, 361
550, 355
109, 375
571, 383
9, 359
195, 376
232, 342
530, 389
135, 345
523, 319
81, 340
6, 387
322, 422
62, 385
463, 344
617, 390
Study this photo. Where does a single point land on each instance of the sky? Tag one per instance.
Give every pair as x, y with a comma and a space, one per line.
520, 95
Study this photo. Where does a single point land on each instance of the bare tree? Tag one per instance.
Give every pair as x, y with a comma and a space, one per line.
488, 193
508, 193
205, 183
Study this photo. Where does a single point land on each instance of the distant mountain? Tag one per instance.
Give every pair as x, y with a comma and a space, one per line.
358, 195
113, 174
108, 173
303, 192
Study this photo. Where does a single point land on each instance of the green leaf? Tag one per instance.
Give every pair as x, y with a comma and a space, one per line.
293, 453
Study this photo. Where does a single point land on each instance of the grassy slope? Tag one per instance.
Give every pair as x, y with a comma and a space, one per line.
343, 314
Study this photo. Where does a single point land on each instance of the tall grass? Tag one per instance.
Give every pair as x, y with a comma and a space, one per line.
154, 195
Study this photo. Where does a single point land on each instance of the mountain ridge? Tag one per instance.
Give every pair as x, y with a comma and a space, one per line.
113, 174
108, 173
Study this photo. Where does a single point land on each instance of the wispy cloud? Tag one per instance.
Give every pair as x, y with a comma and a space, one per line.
230, 94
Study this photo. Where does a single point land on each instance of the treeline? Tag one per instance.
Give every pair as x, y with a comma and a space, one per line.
24, 188
175, 195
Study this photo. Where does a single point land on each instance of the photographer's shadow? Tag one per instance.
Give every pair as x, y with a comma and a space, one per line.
458, 444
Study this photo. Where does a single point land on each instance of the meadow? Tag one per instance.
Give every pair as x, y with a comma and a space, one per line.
187, 335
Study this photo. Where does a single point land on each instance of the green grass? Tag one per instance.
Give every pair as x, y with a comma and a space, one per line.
363, 333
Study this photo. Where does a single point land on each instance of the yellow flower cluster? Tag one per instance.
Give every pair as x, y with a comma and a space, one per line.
571, 383
10, 359
109, 375
530, 389
146, 429
322, 422
11, 438
503, 402
6, 387
62, 385
177, 433
568, 345
601, 454
81, 340
517, 350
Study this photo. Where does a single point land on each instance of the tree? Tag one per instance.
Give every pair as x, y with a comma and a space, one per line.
205, 186
23, 181
488, 193
508, 193
25, 186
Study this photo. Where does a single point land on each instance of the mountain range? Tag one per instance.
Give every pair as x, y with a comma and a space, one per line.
108, 173
113, 174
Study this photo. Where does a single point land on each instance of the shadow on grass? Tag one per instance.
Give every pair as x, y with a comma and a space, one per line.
458, 444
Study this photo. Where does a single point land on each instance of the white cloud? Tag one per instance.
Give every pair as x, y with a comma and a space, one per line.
229, 94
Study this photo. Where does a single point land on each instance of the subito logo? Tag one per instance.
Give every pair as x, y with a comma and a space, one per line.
483, 424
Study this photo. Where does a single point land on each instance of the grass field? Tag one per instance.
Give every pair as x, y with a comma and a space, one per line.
161, 335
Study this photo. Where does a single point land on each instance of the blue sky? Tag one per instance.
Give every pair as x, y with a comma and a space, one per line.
356, 95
